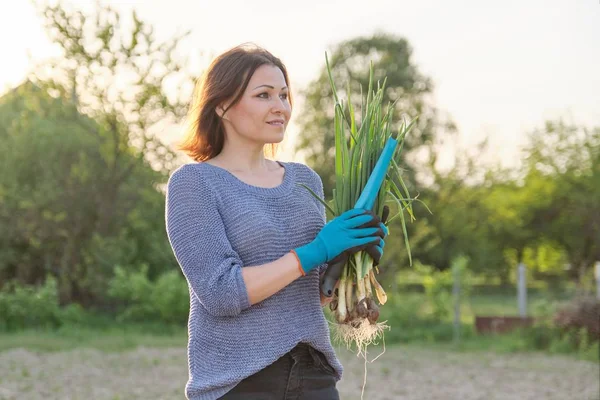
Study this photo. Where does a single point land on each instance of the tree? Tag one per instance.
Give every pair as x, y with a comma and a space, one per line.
48, 198
118, 78
460, 224
84, 192
48, 213
391, 57
565, 158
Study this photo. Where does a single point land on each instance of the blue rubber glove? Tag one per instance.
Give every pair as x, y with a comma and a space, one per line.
376, 251
337, 236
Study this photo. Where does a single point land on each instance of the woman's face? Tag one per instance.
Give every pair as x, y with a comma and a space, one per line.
263, 112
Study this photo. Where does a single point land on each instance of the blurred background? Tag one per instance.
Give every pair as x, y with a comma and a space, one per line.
502, 300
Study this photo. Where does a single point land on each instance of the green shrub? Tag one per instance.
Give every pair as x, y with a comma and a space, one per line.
439, 285
592, 353
28, 306
163, 302
74, 315
544, 335
170, 296
581, 314
166, 300
410, 322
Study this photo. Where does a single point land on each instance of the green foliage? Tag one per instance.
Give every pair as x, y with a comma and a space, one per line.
582, 314
458, 225
100, 334
83, 188
161, 308
439, 287
24, 307
545, 214
55, 216
565, 159
410, 320
117, 75
545, 336
548, 336
84, 192
413, 321
166, 300
438, 290
391, 57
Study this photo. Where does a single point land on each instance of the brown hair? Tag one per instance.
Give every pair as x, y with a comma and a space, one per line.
226, 78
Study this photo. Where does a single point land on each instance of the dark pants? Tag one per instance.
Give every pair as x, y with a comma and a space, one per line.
301, 374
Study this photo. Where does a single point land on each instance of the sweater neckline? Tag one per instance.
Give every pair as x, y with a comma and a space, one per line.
271, 192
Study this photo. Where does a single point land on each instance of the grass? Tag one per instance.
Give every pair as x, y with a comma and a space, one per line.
113, 339
131, 337
408, 314
412, 323
499, 305
491, 304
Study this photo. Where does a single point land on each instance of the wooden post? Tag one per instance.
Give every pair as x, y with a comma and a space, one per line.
522, 290
598, 279
456, 295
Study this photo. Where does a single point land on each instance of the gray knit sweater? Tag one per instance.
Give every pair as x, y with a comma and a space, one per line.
218, 225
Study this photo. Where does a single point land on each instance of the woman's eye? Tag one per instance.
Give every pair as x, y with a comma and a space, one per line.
265, 95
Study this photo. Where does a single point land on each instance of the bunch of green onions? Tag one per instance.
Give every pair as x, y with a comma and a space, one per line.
358, 145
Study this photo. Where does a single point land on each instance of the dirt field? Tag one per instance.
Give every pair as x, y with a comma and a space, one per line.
400, 374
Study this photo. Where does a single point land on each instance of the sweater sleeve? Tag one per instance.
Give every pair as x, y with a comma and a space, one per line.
197, 236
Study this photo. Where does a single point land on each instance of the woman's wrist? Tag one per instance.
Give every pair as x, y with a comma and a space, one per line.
263, 281
311, 255
300, 269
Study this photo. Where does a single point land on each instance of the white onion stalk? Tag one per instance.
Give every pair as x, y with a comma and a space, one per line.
358, 147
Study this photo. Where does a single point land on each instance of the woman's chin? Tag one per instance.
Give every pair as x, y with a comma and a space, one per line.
276, 139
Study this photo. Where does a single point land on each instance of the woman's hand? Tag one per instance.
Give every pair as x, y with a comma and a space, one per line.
324, 299
352, 231
375, 250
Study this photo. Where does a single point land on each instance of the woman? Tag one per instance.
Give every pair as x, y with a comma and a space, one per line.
251, 242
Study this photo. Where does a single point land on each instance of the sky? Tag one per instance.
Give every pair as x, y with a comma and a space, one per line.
499, 69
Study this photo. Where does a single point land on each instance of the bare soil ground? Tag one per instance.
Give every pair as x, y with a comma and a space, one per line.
401, 374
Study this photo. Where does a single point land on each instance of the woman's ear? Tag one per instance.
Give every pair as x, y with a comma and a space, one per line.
220, 110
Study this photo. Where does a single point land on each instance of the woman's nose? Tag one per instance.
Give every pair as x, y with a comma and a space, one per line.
279, 105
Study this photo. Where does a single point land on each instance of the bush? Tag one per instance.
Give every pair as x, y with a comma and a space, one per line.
166, 300
163, 302
582, 313
28, 306
74, 315
409, 322
439, 285
569, 330
23, 307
